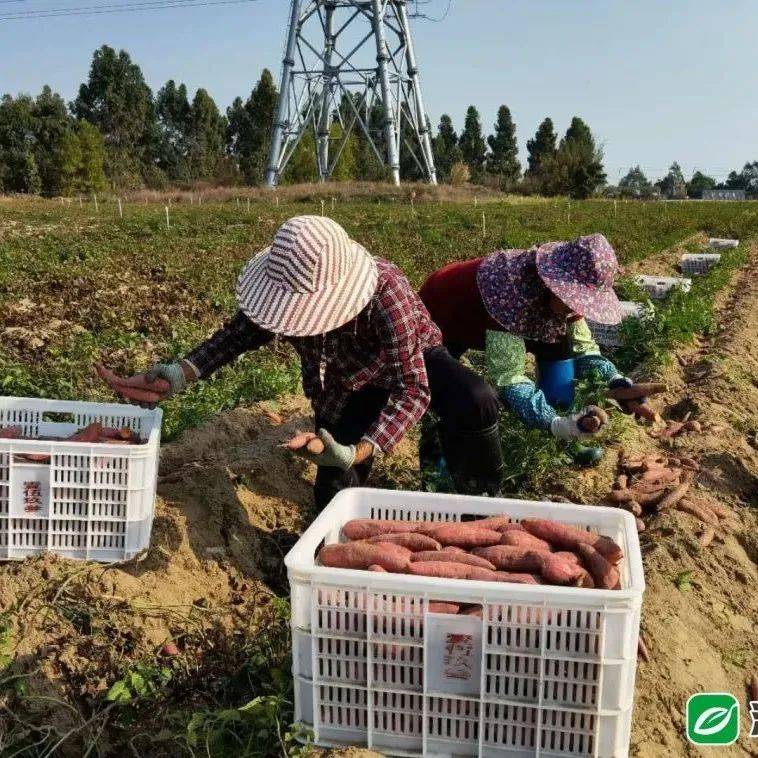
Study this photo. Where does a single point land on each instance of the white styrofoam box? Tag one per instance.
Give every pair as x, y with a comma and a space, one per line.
716, 243
609, 335
659, 286
85, 500
699, 263
547, 671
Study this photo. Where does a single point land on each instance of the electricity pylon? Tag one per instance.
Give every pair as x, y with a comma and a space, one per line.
350, 61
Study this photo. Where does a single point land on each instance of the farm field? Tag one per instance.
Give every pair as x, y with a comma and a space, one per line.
186, 651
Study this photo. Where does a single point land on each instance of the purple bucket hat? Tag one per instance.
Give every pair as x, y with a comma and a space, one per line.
581, 274
515, 286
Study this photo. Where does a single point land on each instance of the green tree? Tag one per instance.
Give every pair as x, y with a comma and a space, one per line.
746, 179
119, 103
673, 185
445, 147
635, 184
303, 166
52, 124
542, 149
173, 112
472, 144
248, 131
346, 164
502, 161
18, 165
577, 169
207, 137
91, 176
698, 184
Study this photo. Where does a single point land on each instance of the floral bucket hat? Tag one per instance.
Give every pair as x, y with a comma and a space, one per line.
515, 284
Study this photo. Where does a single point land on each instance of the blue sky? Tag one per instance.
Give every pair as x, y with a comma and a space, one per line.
657, 80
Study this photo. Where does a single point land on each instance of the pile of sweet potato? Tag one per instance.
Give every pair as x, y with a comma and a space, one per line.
92, 433
495, 549
655, 482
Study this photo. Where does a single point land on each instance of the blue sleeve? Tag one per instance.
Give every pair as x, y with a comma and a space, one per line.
584, 364
529, 404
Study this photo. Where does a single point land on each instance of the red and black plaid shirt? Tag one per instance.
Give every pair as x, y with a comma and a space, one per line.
383, 346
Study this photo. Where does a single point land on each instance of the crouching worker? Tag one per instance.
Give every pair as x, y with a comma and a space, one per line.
515, 302
372, 358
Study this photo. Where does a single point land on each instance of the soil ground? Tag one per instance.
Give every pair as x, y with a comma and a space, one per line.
231, 503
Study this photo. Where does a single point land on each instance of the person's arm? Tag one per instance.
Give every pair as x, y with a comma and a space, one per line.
237, 336
587, 356
505, 356
506, 364
404, 360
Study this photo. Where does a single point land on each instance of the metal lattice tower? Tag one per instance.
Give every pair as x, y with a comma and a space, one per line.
349, 60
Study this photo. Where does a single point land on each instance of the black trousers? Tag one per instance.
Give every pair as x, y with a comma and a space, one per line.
467, 409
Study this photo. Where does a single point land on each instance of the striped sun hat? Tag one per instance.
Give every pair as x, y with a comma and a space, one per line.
311, 280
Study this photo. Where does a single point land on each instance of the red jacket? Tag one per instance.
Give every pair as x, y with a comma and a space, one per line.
451, 295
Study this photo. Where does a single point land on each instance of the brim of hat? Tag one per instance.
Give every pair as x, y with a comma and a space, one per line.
273, 307
600, 305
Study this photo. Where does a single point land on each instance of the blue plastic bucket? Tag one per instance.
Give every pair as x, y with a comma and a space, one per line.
556, 380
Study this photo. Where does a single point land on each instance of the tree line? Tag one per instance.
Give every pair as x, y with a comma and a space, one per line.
116, 133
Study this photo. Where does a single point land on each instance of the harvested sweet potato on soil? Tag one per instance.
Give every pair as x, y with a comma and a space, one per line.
674, 497
636, 391
698, 511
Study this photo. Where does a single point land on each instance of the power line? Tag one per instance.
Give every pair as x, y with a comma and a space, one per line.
116, 8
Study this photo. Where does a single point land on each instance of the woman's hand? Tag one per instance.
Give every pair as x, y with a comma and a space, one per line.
163, 381
324, 450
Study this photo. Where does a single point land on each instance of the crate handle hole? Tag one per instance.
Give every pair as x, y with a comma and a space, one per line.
58, 418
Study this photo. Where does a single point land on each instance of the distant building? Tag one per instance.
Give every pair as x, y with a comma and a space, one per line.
723, 194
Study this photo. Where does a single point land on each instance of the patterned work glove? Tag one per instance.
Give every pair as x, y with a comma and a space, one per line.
334, 455
170, 372
568, 428
619, 381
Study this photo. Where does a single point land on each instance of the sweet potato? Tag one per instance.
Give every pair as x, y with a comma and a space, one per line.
590, 424
633, 507
569, 537
511, 558
672, 429
491, 522
636, 391
598, 412
640, 524
462, 535
472, 610
698, 511
442, 555
515, 578
659, 475
10, 432
692, 426
706, 536
673, 497
642, 650
301, 439
621, 482
443, 606
585, 580
413, 541
620, 496
568, 555
90, 433
481, 574
510, 528
363, 529
361, 555
441, 569
649, 498
315, 446
377, 568
604, 574
524, 539
453, 549
717, 508
648, 488
642, 411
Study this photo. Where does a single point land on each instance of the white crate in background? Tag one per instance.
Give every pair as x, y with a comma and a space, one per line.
547, 671
659, 286
716, 243
694, 264
609, 335
90, 501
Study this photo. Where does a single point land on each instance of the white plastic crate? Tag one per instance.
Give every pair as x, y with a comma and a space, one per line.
547, 671
716, 243
695, 264
86, 501
659, 286
609, 335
